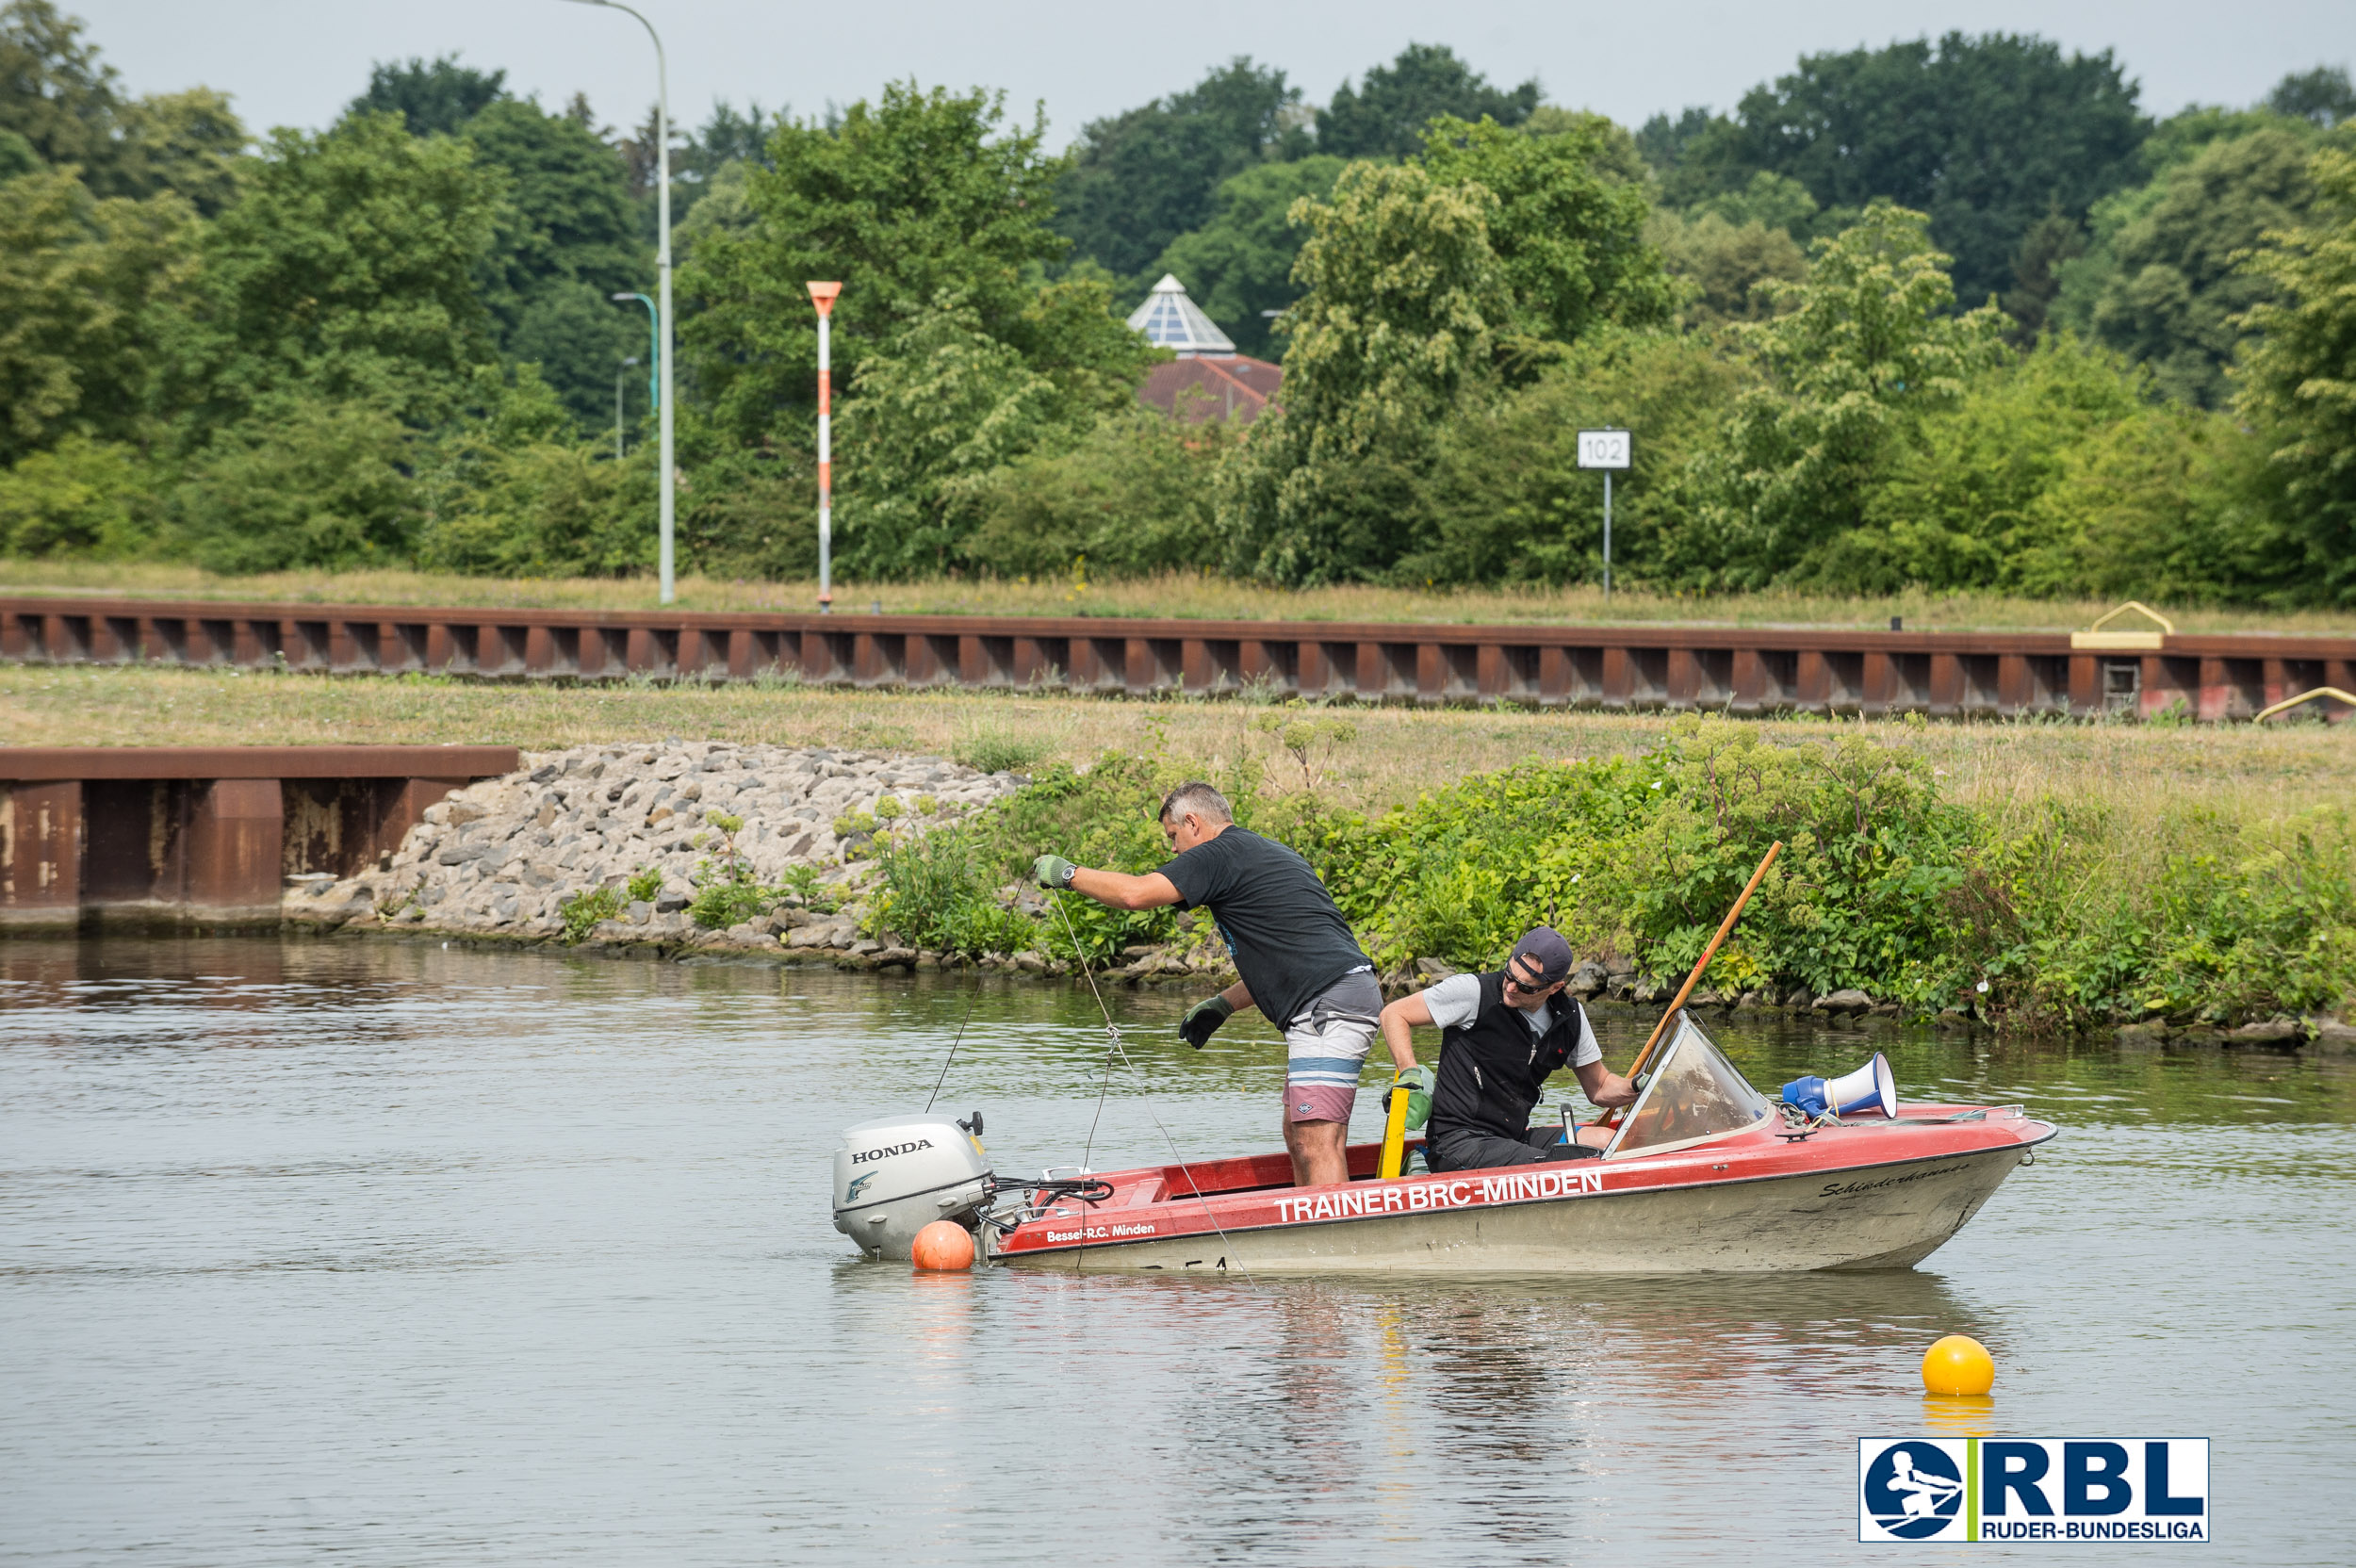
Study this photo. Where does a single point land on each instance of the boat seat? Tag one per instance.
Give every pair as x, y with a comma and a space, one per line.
1145, 1192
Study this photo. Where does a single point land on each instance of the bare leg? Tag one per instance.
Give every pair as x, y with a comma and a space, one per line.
1317, 1152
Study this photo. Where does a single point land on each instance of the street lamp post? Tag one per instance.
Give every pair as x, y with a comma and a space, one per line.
654, 346
617, 404
669, 488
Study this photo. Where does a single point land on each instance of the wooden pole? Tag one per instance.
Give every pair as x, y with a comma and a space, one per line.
1708, 953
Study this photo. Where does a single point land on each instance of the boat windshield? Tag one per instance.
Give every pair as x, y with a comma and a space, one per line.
1695, 1094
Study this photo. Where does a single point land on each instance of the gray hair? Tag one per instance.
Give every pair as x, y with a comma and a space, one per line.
1196, 798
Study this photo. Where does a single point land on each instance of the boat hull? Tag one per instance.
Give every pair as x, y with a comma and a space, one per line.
1878, 1216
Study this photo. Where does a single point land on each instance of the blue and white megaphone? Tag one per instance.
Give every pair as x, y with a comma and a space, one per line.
1870, 1090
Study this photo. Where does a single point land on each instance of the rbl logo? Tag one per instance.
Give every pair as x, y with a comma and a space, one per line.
2033, 1489
1912, 1491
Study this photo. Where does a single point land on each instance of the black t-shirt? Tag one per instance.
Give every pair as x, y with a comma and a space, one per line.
1289, 941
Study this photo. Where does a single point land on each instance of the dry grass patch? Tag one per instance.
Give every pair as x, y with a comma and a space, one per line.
1180, 595
2135, 772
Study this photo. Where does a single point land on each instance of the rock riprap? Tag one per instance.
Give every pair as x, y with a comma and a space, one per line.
653, 823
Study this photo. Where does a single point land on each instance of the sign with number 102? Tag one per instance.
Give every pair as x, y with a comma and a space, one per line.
1603, 449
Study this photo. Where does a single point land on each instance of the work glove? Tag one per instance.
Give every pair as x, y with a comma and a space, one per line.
1204, 1019
1415, 1083
1053, 871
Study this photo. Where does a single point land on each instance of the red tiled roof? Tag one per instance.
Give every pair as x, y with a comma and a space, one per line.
1236, 387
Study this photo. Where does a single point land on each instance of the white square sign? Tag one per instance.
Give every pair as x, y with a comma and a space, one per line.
1603, 449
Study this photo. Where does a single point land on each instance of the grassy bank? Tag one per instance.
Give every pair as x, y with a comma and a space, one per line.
2086, 871
2032, 909
1186, 596
1394, 755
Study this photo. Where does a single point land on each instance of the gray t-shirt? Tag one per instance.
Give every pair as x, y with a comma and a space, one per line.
1456, 999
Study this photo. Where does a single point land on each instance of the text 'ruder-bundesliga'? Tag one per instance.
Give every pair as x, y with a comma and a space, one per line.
1736, 669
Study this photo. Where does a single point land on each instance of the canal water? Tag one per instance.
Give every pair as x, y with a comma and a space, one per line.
382, 1253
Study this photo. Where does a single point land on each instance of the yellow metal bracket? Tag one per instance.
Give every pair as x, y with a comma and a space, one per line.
2095, 637
2268, 713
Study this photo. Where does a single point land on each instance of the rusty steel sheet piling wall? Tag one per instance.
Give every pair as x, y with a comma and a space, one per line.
206, 834
1744, 670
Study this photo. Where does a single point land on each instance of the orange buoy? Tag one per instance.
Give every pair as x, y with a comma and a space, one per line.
1956, 1364
944, 1245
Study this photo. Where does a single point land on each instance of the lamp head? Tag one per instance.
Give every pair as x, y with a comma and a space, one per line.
621, 298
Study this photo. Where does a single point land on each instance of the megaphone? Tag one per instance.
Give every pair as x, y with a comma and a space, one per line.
1870, 1090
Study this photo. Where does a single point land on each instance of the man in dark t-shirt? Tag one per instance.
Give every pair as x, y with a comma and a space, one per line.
1299, 964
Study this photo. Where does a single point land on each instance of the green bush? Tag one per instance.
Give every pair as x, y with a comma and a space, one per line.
314, 484
1883, 884
582, 911
1133, 498
81, 497
937, 893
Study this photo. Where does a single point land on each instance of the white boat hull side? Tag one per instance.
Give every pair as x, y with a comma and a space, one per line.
1882, 1216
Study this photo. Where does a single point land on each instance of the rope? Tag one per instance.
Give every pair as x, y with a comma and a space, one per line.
1112, 1034
972, 997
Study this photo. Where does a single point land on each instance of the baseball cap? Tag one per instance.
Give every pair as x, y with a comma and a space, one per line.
1545, 947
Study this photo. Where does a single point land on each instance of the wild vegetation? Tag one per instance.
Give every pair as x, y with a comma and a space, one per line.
1950, 315
2083, 870
1886, 882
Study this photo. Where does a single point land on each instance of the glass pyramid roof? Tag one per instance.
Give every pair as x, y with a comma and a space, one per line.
1171, 320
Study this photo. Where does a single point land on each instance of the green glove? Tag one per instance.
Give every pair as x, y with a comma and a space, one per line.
1053, 871
1417, 1083
1204, 1019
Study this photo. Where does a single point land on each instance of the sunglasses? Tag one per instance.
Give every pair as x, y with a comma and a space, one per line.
1529, 988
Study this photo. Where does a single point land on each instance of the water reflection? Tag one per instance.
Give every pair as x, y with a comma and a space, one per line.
409, 1254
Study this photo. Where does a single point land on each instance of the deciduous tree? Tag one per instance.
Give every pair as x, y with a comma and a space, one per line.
1239, 266
1985, 134
1569, 236
346, 271
1403, 303
1386, 115
2170, 294
85, 287
1140, 179
1864, 347
2301, 380
913, 195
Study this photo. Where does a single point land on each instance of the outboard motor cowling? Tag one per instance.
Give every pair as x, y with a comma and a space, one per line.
895, 1176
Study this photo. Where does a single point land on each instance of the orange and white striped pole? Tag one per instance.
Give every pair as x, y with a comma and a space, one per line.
822, 295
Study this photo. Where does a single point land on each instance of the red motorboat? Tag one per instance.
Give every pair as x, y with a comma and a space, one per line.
1704, 1175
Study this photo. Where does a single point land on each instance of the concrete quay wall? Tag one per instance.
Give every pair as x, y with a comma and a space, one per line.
206, 835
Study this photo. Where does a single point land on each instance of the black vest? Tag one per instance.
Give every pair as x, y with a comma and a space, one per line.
1492, 1068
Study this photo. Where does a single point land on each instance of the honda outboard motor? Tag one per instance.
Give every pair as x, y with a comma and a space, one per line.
895, 1177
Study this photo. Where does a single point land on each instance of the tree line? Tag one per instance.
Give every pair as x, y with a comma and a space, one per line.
1951, 313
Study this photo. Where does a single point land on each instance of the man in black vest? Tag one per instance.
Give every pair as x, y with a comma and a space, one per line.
1501, 1036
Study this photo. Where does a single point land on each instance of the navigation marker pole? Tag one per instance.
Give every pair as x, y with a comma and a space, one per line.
1607, 450
823, 296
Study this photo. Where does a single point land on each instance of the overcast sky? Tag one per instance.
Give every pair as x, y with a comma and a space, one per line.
299, 61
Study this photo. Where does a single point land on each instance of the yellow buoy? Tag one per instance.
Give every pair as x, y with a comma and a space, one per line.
1958, 1364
